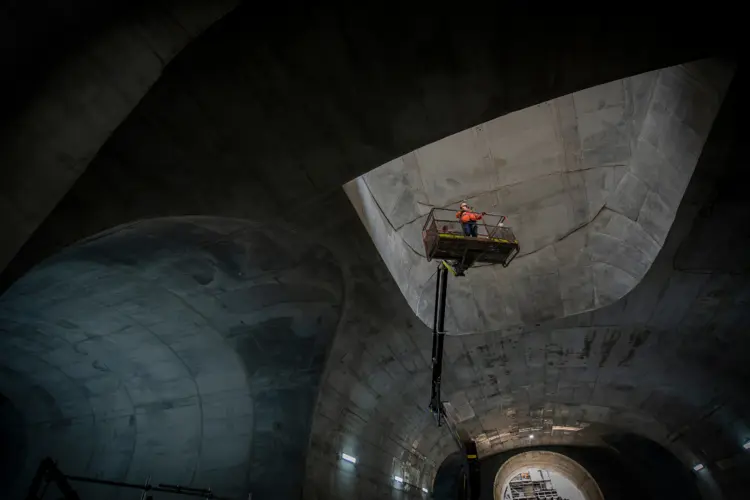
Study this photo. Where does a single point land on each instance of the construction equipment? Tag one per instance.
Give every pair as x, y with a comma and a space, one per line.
444, 239
48, 473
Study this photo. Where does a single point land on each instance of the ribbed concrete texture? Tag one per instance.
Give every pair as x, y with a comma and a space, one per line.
194, 298
185, 348
590, 183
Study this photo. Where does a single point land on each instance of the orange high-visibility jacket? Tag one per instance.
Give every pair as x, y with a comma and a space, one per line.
467, 216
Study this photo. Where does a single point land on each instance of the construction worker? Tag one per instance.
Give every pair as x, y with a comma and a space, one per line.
468, 219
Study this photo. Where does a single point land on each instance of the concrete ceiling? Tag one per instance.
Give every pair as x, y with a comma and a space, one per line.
590, 183
66, 108
250, 332
150, 355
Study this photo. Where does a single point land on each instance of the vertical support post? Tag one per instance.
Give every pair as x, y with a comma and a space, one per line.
438, 282
48, 471
438, 337
472, 460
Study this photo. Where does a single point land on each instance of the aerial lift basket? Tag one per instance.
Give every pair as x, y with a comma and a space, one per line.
444, 238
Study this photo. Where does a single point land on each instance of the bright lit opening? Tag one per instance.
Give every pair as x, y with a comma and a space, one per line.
398, 479
425, 490
746, 445
531, 436
540, 483
698, 467
349, 458
545, 474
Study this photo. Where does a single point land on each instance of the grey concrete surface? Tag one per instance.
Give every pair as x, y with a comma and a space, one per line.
264, 115
82, 100
590, 183
565, 487
199, 377
200, 343
293, 107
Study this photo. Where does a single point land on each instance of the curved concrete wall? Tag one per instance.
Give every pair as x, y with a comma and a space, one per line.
82, 100
550, 461
187, 350
590, 183
285, 116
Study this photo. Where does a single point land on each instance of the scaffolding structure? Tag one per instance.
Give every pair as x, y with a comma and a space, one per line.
526, 486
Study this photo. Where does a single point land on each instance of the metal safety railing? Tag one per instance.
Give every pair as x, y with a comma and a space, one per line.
444, 221
493, 236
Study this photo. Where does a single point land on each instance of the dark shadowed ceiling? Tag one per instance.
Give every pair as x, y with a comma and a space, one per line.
234, 326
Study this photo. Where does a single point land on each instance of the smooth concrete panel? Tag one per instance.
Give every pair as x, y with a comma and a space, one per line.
173, 373
590, 184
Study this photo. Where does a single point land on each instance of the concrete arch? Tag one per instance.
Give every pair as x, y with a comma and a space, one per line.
172, 348
83, 99
550, 461
238, 122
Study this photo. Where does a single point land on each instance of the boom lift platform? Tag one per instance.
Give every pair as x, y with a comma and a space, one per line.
444, 239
